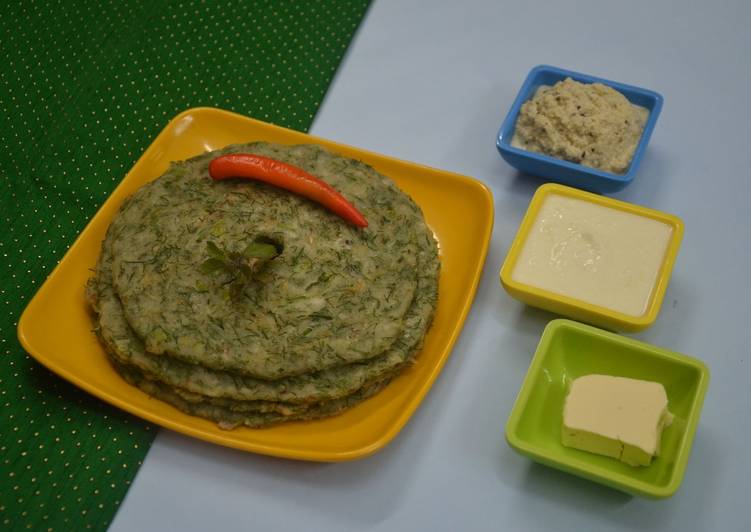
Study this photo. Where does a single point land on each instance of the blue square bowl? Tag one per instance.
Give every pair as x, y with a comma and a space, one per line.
565, 172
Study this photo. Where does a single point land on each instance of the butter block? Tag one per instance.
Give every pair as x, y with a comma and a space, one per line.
616, 416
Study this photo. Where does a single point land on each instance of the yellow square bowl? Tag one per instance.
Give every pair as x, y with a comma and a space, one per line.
592, 258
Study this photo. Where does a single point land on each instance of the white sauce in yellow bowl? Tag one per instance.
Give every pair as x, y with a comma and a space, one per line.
593, 253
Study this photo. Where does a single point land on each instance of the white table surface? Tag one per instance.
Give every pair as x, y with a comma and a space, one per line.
430, 82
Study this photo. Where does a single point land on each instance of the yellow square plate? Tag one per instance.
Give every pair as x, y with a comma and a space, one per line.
56, 326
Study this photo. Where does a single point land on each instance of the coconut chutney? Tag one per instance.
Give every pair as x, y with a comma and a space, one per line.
589, 124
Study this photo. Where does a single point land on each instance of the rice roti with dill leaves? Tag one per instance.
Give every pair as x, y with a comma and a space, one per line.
328, 322
125, 346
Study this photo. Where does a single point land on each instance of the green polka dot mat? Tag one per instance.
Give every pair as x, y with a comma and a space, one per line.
84, 89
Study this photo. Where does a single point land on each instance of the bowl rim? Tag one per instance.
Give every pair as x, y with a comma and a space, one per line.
594, 472
620, 319
505, 132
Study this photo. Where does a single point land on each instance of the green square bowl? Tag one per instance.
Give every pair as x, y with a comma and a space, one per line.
568, 350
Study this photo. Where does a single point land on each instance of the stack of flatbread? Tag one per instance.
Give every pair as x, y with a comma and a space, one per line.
328, 322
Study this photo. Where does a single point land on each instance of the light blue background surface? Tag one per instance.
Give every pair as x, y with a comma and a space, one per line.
430, 82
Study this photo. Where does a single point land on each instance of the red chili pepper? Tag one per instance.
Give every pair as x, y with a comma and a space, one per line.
283, 175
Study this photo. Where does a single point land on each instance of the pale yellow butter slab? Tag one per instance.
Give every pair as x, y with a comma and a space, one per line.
616, 416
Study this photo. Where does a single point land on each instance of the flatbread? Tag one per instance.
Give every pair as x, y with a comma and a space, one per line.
339, 313
336, 294
230, 419
333, 383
